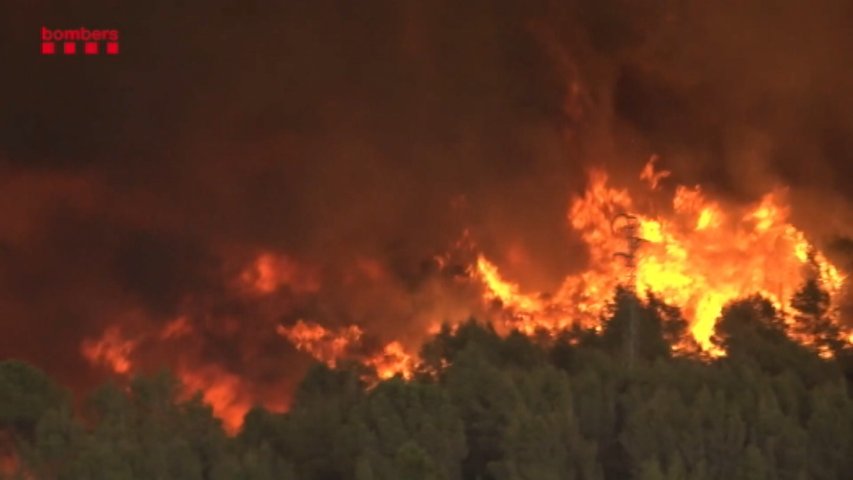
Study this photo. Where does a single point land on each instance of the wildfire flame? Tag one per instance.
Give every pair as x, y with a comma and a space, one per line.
329, 346
695, 253
699, 256
392, 361
223, 391
177, 328
325, 345
111, 350
270, 272
652, 176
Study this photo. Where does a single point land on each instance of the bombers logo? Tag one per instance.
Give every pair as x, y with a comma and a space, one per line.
70, 39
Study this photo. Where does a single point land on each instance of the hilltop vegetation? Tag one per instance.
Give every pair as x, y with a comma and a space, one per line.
587, 405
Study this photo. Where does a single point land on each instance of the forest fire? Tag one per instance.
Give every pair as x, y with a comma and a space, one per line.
225, 392
429, 240
695, 255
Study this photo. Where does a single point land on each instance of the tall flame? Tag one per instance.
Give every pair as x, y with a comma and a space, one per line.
697, 256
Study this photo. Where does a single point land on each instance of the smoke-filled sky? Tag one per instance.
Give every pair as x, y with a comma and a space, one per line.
357, 140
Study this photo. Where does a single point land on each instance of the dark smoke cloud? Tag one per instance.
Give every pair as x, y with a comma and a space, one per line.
333, 132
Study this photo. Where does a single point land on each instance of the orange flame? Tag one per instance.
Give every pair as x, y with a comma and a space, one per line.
697, 257
177, 328
270, 272
652, 176
323, 344
392, 361
696, 253
330, 347
111, 350
223, 391
505, 292
11, 465
226, 393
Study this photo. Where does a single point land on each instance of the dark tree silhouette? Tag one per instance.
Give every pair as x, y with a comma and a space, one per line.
484, 407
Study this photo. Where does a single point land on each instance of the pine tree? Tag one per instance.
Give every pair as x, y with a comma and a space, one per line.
26, 393
813, 320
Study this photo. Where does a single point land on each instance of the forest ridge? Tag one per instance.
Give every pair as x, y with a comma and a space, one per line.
617, 403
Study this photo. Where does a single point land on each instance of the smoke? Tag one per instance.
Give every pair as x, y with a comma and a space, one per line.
357, 142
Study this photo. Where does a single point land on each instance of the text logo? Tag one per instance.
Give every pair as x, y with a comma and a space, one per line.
79, 41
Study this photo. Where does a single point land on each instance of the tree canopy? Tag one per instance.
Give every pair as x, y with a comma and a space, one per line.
487, 407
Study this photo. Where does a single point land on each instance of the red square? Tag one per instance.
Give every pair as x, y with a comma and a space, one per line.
48, 48
69, 48
112, 48
90, 48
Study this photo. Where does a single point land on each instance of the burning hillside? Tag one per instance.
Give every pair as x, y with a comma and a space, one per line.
693, 252
371, 172
696, 254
